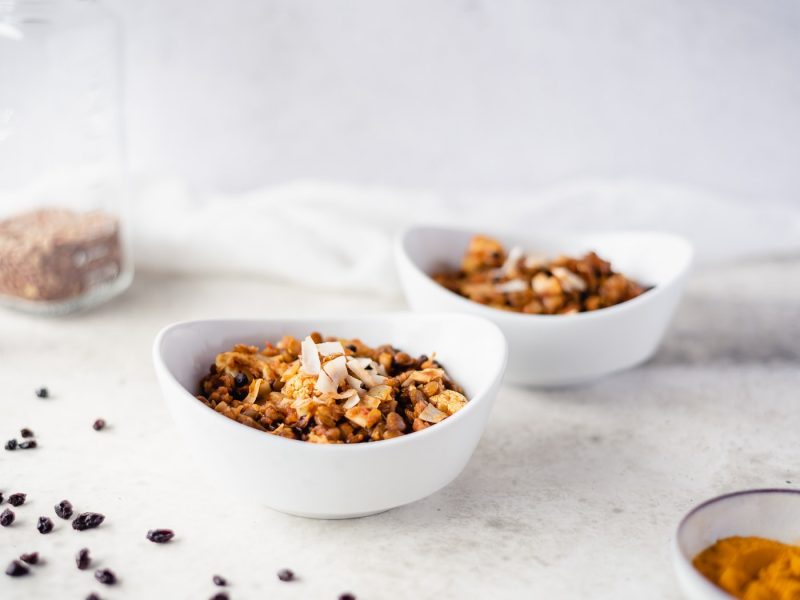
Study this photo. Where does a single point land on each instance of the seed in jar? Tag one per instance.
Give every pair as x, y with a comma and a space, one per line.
7, 517
87, 520
221, 581
25, 432
42, 392
82, 559
105, 576
44, 525
31, 558
286, 575
17, 499
16, 569
160, 536
64, 509
28, 444
11, 445
98, 424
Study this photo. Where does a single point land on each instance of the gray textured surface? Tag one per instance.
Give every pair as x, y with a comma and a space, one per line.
571, 493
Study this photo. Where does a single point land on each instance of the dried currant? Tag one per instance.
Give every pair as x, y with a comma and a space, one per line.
220, 596
82, 559
240, 380
160, 536
99, 424
219, 580
64, 509
6, 518
16, 569
347, 596
42, 392
11, 445
26, 445
105, 576
92, 596
25, 432
17, 499
31, 558
44, 525
87, 520
286, 575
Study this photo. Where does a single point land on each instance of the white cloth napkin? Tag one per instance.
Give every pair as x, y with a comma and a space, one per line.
334, 236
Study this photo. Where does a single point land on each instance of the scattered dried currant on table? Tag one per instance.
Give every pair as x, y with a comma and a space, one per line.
64, 509
82, 559
44, 525
92, 596
28, 444
220, 596
25, 432
11, 445
31, 558
87, 520
286, 575
347, 596
160, 536
1, 497
99, 424
42, 392
16, 569
105, 576
219, 580
6, 517
17, 499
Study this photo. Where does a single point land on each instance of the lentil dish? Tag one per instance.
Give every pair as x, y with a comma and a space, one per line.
532, 284
331, 390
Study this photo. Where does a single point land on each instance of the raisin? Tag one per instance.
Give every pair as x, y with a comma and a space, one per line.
6, 518
220, 596
87, 520
92, 596
63, 509
16, 569
28, 444
31, 558
17, 499
1, 497
82, 559
347, 596
11, 445
160, 536
25, 432
240, 380
44, 525
286, 575
42, 392
219, 580
105, 576
98, 424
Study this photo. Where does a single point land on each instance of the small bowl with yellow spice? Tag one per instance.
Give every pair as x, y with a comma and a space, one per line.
741, 545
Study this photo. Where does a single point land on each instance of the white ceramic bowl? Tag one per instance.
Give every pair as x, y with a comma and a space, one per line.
333, 481
552, 350
771, 514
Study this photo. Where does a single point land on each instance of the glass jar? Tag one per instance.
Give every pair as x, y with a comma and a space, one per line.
63, 240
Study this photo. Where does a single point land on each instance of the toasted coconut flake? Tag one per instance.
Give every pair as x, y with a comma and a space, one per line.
370, 376
515, 285
381, 392
534, 261
354, 383
332, 375
353, 400
309, 357
431, 414
328, 348
570, 282
511, 261
258, 387
325, 384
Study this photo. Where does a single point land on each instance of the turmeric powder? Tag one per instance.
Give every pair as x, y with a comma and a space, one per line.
752, 568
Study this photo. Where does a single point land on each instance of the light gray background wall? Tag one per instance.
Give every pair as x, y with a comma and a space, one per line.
472, 95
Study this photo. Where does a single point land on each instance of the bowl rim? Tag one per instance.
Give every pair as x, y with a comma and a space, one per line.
686, 563
495, 313
478, 397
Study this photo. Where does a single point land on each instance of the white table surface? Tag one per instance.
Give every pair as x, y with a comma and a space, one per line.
572, 493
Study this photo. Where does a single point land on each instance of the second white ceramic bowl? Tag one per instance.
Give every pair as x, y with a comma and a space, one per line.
336, 480
554, 350
772, 513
